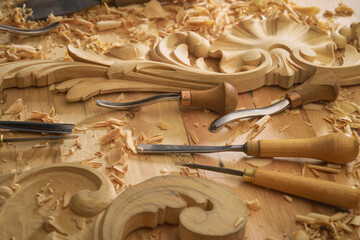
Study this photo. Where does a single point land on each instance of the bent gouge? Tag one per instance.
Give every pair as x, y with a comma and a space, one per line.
322, 86
221, 99
332, 193
338, 148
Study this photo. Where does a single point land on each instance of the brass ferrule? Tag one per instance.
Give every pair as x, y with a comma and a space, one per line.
249, 174
294, 98
185, 99
1, 140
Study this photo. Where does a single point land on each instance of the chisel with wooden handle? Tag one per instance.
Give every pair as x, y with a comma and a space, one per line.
332, 193
322, 86
338, 148
221, 99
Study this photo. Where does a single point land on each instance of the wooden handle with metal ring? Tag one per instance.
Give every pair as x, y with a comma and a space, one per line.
332, 193
323, 86
338, 148
221, 99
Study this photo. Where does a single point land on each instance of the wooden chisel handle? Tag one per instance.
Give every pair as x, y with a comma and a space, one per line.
221, 99
332, 193
323, 86
338, 148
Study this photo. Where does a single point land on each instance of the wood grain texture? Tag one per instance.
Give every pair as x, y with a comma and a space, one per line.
193, 203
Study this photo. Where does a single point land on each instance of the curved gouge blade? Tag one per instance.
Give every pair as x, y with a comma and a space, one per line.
241, 114
166, 149
139, 103
30, 32
323, 86
221, 99
46, 138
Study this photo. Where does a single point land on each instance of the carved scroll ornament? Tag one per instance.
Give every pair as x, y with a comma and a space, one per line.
250, 55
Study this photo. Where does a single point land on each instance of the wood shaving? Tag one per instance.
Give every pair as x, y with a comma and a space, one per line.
238, 221
287, 198
129, 141
163, 125
323, 168
42, 199
66, 199
344, 10
111, 136
253, 205
193, 136
154, 10
115, 178
80, 129
40, 145
153, 139
107, 25
15, 108
164, 170
259, 162
196, 124
258, 126
119, 172
332, 227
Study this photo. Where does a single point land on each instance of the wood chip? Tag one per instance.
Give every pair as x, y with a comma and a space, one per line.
287, 198
194, 137
253, 205
238, 221
66, 199
324, 169
129, 141
164, 170
355, 221
112, 135
163, 125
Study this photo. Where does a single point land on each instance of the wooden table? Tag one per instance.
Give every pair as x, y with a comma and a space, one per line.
276, 216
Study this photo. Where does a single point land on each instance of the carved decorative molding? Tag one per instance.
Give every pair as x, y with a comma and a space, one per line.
51, 198
250, 55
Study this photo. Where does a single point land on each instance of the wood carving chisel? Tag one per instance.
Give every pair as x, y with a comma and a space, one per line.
221, 99
35, 139
322, 86
332, 193
338, 148
43, 127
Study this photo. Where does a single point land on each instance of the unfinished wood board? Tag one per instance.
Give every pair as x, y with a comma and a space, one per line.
202, 209
47, 198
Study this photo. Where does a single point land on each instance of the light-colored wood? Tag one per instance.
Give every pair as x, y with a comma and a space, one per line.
337, 148
276, 218
221, 99
37, 195
323, 86
202, 209
332, 193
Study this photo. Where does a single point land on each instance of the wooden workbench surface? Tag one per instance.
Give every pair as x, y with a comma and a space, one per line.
276, 218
